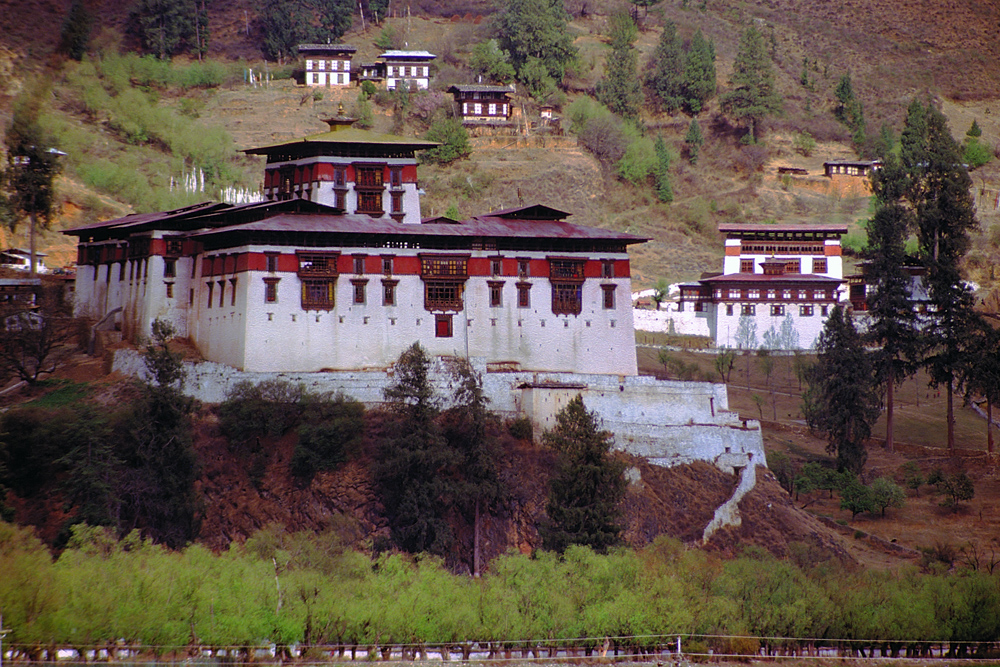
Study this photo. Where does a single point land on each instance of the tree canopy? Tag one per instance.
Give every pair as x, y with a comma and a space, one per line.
535, 34
587, 489
753, 94
841, 400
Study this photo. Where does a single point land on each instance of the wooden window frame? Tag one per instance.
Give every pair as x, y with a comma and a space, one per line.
318, 293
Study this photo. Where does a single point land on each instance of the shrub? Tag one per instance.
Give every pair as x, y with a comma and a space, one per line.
331, 429
454, 142
604, 136
804, 143
257, 410
369, 89
521, 429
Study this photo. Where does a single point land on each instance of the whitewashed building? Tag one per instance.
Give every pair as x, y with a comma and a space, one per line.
327, 64
407, 69
776, 289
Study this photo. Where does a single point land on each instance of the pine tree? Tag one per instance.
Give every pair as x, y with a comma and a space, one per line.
164, 26
32, 165
535, 34
76, 31
892, 328
413, 471
620, 90
753, 95
664, 190
694, 140
586, 492
665, 76
698, 80
939, 192
844, 403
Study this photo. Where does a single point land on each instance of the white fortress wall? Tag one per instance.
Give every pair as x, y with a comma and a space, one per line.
669, 423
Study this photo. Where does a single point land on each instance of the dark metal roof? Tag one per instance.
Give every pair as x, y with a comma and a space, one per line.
342, 136
490, 227
751, 278
326, 47
151, 219
478, 88
530, 212
752, 228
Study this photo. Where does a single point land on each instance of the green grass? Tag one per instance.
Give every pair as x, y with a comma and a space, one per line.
64, 393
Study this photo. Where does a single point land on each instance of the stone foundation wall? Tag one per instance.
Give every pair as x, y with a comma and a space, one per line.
669, 423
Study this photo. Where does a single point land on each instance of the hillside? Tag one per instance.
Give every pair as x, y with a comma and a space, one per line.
892, 56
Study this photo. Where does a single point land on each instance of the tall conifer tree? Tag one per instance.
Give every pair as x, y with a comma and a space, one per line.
843, 402
892, 328
753, 95
939, 191
620, 90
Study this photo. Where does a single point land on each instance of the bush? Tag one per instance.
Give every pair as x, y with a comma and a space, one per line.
521, 429
604, 136
804, 143
331, 429
250, 410
454, 142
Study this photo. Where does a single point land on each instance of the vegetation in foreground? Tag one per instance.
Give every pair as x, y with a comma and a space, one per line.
308, 590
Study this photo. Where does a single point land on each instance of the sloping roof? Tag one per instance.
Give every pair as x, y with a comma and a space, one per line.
419, 55
326, 47
350, 224
478, 88
760, 278
530, 212
755, 228
152, 219
344, 134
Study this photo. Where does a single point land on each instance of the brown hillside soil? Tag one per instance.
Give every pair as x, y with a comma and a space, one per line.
920, 435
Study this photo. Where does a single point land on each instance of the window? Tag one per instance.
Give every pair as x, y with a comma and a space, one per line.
754, 293
340, 200
121, 271
170, 290
396, 177
370, 202
496, 294
734, 294
455, 266
387, 265
699, 307
746, 266
389, 292
819, 265
523, 268
566, 268
443, 295
493, 109
359, 290
442, 326
777, 310
191, 297
793, 266
315, 264
317, 294
210, 286
823, 310
609, 296
805, 311
232, 291
396, 200
359, 265
272, 263
818, 295
338, 177
271, 290
175, 247
748, 309
608, 269
786, 294
368, 177
524, 295
567, 298
729, 309
496, 267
